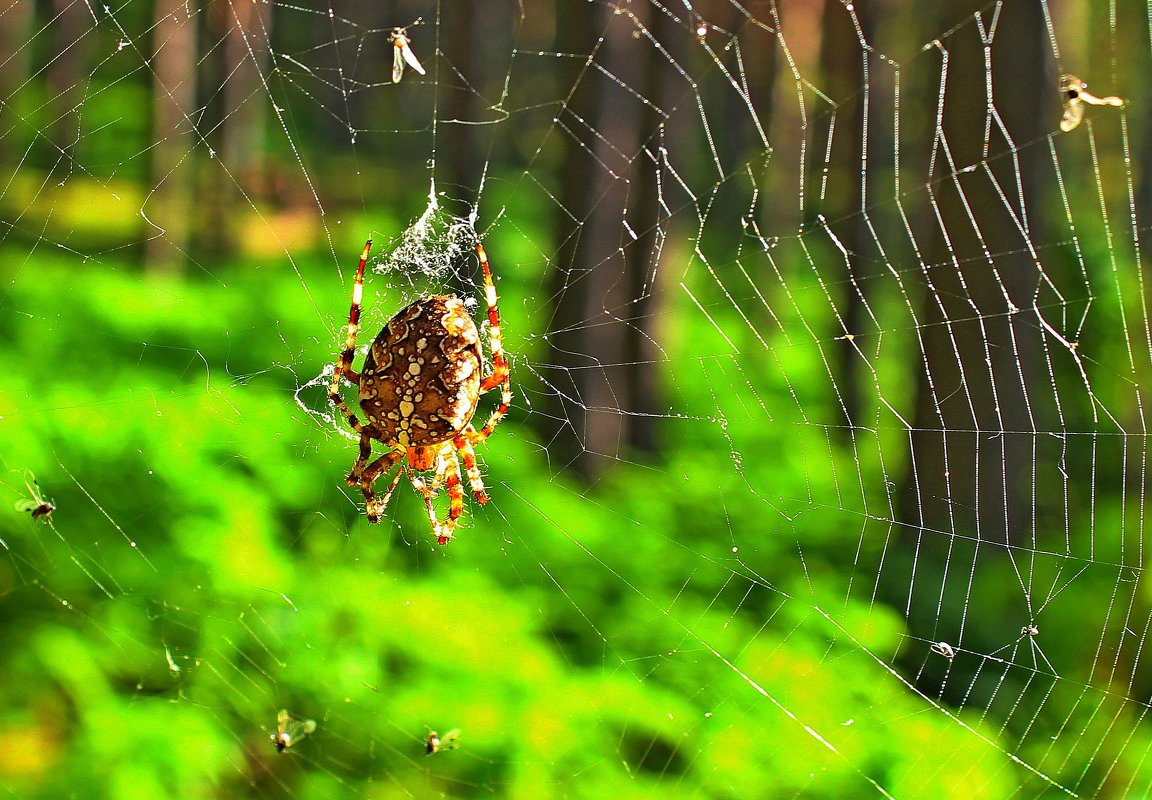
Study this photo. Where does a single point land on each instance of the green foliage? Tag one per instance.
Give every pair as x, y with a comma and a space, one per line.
205, 567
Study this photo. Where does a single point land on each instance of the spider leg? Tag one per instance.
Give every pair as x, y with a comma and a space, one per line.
443, 533
372, 507
391, 488
338, 401
447, 474
344, 361
463, 443
501, 374
440, 475
353, 478
455, 491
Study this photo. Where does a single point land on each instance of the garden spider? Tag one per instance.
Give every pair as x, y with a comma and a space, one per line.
419, 388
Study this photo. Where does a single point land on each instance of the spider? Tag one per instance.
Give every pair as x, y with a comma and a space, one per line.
419, 388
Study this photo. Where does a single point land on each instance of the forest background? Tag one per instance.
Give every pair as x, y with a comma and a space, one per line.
825, 471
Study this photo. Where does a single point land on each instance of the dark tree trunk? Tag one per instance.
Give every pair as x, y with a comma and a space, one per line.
855, 163
460, 143
15, 63
985, 392
243, 146
471, 83
244, 140
68, 69
605, 365
238, 130
169, 206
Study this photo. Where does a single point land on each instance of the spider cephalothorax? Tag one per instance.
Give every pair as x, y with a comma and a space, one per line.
419, 389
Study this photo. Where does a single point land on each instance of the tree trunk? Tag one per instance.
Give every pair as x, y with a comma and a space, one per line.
852, 175
15, 64
983, 395
68, 68
169, 206
243, 143
605, 363
461, 145
471, 81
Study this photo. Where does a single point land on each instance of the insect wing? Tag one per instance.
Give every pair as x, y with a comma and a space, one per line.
37, 501
1073, 114
436, 742
409, 56
289, 730
397, 62
37, 506
944, 649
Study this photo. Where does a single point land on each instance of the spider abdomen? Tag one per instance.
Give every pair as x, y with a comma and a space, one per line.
421, 379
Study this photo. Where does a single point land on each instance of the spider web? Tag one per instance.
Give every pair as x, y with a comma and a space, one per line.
825, 471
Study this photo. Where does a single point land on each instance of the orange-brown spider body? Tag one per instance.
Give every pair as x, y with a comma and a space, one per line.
418, 391
421, 380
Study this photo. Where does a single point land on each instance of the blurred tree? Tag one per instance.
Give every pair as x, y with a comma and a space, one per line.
852, 171
240, 137
169, 205
245, 105
983, 388
604, 356
471, 83
70, 64
15, 60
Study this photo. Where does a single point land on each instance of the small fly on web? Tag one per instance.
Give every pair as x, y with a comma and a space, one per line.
402, 52
36, 505
1076, 94
289, 731
435, 742
944, 649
